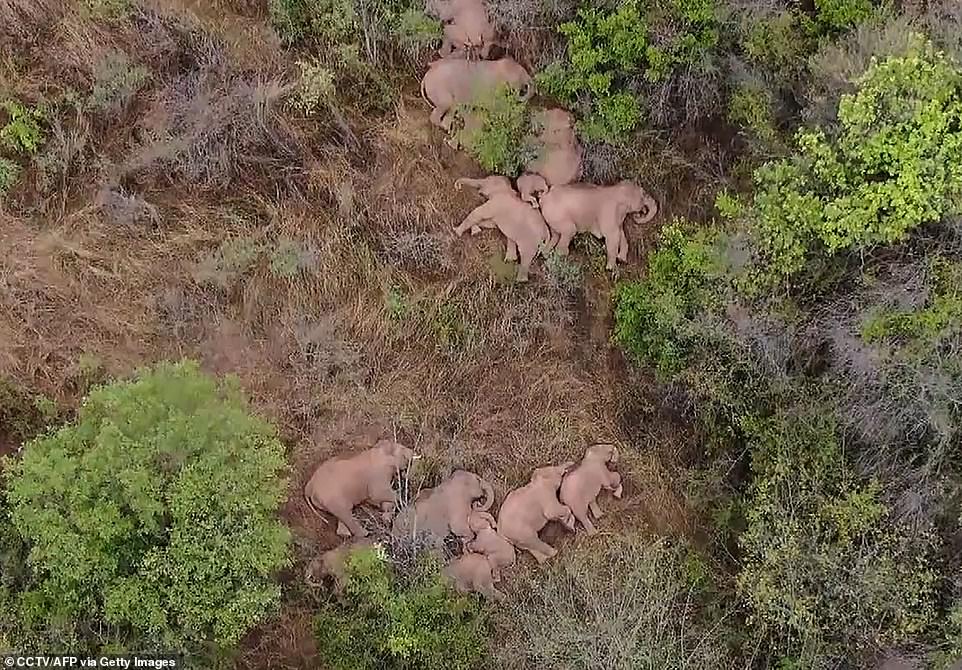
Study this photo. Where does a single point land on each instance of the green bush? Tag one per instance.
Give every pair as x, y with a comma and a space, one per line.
497, 130
650, 314
825, 570
894, 163
780, 42
752, 108
152, 515
23, 132
603, 51
387, 623
9, 174
837, 15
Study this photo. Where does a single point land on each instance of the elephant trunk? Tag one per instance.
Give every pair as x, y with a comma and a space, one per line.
650, 211
488, 496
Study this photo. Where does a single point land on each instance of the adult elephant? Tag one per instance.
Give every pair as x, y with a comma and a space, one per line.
527, 510
452, 82
340, 484
447, 507
599, 210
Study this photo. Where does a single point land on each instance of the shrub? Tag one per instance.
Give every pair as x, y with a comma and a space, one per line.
650, 314
779, 42
628, 604
825, 569
894, 164
753, 108
603, 51
316, 88
23, 132
387, 623
9, 174
116, 81
106, 9
836, 15
152, 515
497, 129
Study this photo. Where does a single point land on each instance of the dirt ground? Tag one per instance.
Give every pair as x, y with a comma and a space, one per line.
388, 325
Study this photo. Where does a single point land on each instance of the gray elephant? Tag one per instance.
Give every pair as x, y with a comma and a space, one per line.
340, 484
447, 507
599, 210
581, 486
452, 82
527, 510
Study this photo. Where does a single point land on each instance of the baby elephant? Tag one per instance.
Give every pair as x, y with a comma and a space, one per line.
523, 227
333, 564
527, 510
471, 573
581, 486
487, 541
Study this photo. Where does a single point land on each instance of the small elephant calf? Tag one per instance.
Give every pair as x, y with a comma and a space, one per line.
581, 486
487, 541
471, 573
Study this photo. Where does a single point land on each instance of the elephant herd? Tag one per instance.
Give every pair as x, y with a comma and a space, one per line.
459, 506
547, 206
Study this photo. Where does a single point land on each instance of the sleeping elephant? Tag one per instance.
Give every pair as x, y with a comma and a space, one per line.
599, 210
531, 187
471, 573
447, 507
489, 542
559, 161
523, 226
527, 510
466, 26
340, 484
581, 486
452, 82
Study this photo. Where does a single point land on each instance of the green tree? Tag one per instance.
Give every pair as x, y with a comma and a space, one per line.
894, 163
153, 515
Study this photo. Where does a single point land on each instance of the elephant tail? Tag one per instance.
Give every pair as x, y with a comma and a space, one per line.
310, 503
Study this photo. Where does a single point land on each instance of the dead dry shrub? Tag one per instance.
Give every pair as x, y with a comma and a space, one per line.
529, 28
629, 603
210, 125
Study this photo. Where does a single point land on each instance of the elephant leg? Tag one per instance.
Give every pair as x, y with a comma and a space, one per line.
581, 514
595, 509
614, 484
552, 242
564, 241
528, 252
476, 218
540, 549
347, 522
489, 591
511, 251
612, 243
623, 248
437, 116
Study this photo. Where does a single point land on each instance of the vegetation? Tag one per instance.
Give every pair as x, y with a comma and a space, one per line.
150, 518
257, 186
497, 131
633, 604
393, 623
